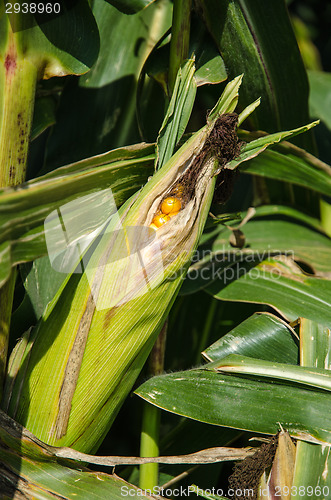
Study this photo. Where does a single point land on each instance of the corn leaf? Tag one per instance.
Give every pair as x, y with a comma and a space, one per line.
50, 46
234, 363
267, 237
261, 336
288, 163
288, 212
269, 283
250, 44
319, 97
256, 405
43, 117
263, 238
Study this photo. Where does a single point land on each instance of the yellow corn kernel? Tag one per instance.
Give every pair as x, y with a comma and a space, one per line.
160, 219
170, 205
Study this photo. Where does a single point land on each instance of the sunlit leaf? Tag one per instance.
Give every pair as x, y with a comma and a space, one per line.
270, 282
256, 405
262, 336
288, 163
178, 113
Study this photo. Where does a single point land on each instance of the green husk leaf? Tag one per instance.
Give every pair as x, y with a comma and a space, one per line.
229, 99
257, 146
114, 327
178, 113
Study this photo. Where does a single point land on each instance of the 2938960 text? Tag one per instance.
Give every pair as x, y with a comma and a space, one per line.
33, 8
302, 491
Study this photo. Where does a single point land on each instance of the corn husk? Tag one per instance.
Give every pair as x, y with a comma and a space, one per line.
74, 371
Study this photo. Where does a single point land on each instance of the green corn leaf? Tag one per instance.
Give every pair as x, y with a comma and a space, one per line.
251, 44
269, 282
44, 116
263, 238
257, 146
319, 97
257, 405
288, 212
50, 46
288, 163
314, 377
262, 336
178, 113
274, 237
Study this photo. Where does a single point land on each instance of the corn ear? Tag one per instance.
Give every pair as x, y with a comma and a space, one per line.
85, 354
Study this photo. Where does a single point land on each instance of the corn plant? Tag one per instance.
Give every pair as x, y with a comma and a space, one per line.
131, 246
